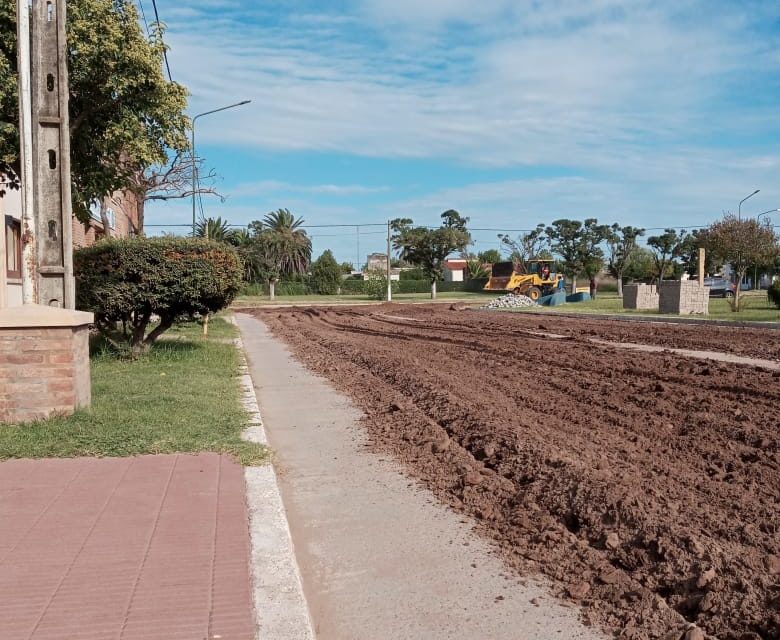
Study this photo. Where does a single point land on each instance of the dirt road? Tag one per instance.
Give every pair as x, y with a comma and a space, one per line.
645, 484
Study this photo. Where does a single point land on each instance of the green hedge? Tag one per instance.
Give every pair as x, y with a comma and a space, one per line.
282, 289
355, 287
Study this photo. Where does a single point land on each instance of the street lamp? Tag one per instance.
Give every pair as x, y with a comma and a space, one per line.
764, 213
192, 151
755, 267
743, 200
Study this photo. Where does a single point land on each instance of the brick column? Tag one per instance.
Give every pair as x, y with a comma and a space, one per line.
44, 362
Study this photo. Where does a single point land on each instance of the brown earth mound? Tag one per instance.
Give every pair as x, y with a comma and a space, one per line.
646, 485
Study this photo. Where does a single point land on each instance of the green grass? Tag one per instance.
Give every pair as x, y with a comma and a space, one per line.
756, 309
182, 397
258, 301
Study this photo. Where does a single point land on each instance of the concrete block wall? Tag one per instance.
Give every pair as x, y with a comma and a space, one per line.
684, 297
640, 296
44, 363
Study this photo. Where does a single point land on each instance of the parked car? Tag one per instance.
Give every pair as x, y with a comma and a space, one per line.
720, 287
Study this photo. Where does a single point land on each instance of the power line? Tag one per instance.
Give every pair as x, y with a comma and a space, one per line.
143, 15
165, 50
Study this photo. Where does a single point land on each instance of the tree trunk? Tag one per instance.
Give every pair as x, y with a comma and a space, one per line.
620, 285
272, 289
107, 231
573, 285
139, 226
433, 290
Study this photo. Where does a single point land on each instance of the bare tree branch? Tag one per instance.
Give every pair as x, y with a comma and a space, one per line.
171, 182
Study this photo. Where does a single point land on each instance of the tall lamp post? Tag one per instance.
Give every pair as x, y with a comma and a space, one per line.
743, 200
755, 267
192, 151
765, 213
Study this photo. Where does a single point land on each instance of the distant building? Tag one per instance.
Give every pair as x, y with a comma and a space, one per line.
455, 270
376, 262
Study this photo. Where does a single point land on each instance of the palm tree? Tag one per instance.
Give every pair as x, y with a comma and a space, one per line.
291, 242
214, 229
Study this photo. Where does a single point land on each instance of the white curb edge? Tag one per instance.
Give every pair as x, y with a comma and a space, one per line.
281, 611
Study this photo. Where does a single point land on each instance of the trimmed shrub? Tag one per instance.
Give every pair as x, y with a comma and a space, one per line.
774, 293
125, 282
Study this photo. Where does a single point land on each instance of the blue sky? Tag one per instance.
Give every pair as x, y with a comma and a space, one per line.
652, 113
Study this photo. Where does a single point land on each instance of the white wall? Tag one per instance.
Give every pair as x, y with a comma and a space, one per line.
11, 205
453, 275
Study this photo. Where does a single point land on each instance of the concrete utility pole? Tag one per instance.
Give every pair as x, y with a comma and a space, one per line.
29, 257
51, 150
389, 283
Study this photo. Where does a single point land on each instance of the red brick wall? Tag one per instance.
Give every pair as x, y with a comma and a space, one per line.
123, 203
43, 372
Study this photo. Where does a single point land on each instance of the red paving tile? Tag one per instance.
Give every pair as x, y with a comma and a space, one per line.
153, 547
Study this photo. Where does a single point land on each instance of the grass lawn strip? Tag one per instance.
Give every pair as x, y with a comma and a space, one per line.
757, 309
182, 397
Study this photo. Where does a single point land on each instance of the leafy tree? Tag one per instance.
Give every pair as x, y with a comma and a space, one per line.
291, 242
428, 248
415, 273
621, 242
124, 115
490, 256
689, 253
347, 268
528, 246
742, 243
641, 265
326, 274
577, 244
666, 248
124, 282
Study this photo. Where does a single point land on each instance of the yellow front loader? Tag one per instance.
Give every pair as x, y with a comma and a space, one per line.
533, 278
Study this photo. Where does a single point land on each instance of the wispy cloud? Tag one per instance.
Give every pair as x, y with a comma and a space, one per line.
661, 109
266, 187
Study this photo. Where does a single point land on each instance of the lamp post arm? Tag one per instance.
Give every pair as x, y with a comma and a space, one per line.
739, 214
192, 151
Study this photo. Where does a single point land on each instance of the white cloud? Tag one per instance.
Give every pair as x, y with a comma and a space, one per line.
266, 187
642, 100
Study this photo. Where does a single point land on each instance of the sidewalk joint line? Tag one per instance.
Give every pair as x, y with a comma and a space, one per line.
148, 546
81, 548
41, 515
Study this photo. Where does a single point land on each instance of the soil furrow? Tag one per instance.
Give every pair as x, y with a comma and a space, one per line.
646, 485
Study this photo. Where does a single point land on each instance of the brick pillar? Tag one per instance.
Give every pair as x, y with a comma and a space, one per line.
44, 362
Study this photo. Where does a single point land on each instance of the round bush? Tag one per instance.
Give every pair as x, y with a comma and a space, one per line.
130, 280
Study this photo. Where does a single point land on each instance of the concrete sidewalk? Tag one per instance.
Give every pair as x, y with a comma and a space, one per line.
152, 547
379, 558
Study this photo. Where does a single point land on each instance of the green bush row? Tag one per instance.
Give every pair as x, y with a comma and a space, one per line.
355, 287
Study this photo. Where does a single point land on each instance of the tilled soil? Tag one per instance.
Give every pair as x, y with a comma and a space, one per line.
645, 485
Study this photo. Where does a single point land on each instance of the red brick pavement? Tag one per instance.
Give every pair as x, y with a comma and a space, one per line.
153, 547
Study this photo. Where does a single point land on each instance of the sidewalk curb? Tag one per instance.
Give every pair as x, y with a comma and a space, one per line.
281, 611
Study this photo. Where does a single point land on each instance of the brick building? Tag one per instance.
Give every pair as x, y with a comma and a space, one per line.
123, 220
